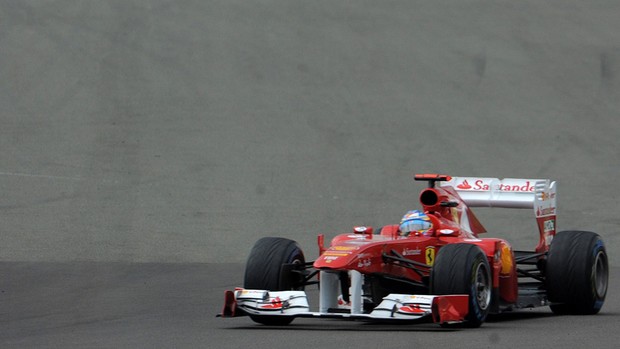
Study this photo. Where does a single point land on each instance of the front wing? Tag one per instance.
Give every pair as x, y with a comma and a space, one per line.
441, 309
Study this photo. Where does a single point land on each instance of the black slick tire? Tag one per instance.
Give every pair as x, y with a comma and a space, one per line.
268, 268
464, 269
577, 273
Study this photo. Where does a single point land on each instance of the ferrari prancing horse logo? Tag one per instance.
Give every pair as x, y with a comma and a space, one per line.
430, 255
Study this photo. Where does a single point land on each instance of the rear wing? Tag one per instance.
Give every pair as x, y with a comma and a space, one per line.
537, 194
507, 193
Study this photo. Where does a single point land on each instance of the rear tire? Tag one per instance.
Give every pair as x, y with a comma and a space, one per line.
265, 270
464, 269
577, 273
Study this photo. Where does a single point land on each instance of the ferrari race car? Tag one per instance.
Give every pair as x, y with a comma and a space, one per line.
446, 273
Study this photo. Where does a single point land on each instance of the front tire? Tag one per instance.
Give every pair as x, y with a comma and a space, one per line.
268, 267
464, 269
577, 273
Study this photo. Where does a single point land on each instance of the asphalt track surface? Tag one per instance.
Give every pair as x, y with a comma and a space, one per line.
145, 146
121, 305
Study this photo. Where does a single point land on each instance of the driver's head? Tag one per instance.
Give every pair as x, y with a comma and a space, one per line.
414, 222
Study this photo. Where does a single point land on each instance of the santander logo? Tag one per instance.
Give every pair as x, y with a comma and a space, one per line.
412, 309
464, 186
482, 185
275, 303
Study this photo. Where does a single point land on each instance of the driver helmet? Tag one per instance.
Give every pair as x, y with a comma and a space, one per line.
415, 222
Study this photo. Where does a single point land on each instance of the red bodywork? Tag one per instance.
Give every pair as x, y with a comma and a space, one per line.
453, 222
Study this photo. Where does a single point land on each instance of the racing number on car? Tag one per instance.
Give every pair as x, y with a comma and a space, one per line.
430, 255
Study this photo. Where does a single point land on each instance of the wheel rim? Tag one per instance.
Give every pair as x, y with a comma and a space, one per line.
600, 273
482, 287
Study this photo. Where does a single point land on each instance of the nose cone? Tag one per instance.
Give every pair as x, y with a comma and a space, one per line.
337, 257
352, 252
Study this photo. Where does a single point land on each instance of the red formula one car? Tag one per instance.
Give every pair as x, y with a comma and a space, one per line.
441, 270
